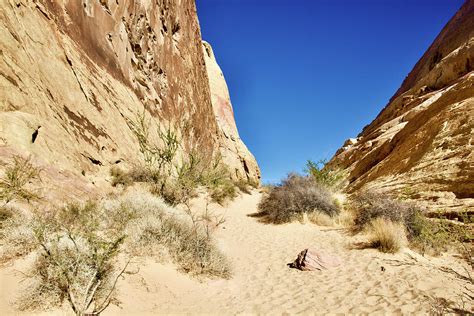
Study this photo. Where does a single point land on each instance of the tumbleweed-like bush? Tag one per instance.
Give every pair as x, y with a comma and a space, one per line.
293, 197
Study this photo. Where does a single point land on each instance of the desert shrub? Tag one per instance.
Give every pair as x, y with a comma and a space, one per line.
253, 183
321, 219
16, 235
15, 184
438, 235
174, 178
223, 192
120, 177
78, 246
329, 177
6, 213
154, 227
192, 249
295, 196
83, 249
370, 205
386, 235
243, 186
425, 235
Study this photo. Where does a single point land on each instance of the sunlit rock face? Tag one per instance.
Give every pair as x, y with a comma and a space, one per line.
421, 145
76, 72
234, 152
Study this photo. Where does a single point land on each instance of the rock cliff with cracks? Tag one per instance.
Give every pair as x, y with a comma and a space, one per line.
75, 72
421, 146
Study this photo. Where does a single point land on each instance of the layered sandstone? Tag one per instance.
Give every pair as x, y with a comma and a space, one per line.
76, 72
421, 145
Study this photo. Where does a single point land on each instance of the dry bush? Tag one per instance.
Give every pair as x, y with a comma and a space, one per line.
16, 235
15, 184
293, 197
369, 206
386, 235
78, 246
154, 227
120, 177
223, 192
6, 213
425, 235
321, 219
243, 186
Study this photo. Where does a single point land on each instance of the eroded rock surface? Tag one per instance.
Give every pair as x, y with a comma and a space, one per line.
75, 72
421, 145
234, 152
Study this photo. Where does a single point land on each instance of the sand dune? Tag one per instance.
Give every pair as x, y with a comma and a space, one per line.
263, 284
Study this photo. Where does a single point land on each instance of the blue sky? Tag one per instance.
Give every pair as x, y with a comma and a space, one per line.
305, 75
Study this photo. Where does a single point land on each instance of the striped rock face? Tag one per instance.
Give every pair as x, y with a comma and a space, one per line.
421, 145
76, 72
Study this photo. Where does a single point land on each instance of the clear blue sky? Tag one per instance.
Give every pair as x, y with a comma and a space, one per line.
305, 75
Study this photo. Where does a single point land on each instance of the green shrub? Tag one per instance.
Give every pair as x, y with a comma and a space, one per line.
327, 176
438, 235
174, 178
15, 184
295, 196
223, 192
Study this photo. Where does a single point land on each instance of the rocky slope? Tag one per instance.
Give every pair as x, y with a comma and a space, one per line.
76, 72
421, 145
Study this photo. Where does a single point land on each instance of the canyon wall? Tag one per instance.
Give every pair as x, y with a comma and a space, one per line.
421, 145
75, 73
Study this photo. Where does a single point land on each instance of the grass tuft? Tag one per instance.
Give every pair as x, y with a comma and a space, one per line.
386, 235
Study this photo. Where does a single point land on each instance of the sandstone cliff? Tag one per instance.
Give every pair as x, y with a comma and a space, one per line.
233, 150
421, 145
74, 72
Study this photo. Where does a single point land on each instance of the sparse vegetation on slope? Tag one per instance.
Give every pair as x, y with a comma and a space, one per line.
425, 235
83, 249
172, 177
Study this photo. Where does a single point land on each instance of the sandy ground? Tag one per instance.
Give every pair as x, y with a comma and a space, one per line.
263, 284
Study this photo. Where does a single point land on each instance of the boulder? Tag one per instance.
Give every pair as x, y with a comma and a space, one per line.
314, 259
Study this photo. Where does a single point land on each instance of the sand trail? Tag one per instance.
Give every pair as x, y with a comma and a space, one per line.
263, 284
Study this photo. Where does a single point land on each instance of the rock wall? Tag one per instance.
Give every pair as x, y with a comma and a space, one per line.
75, 72
233, 150
421, 145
